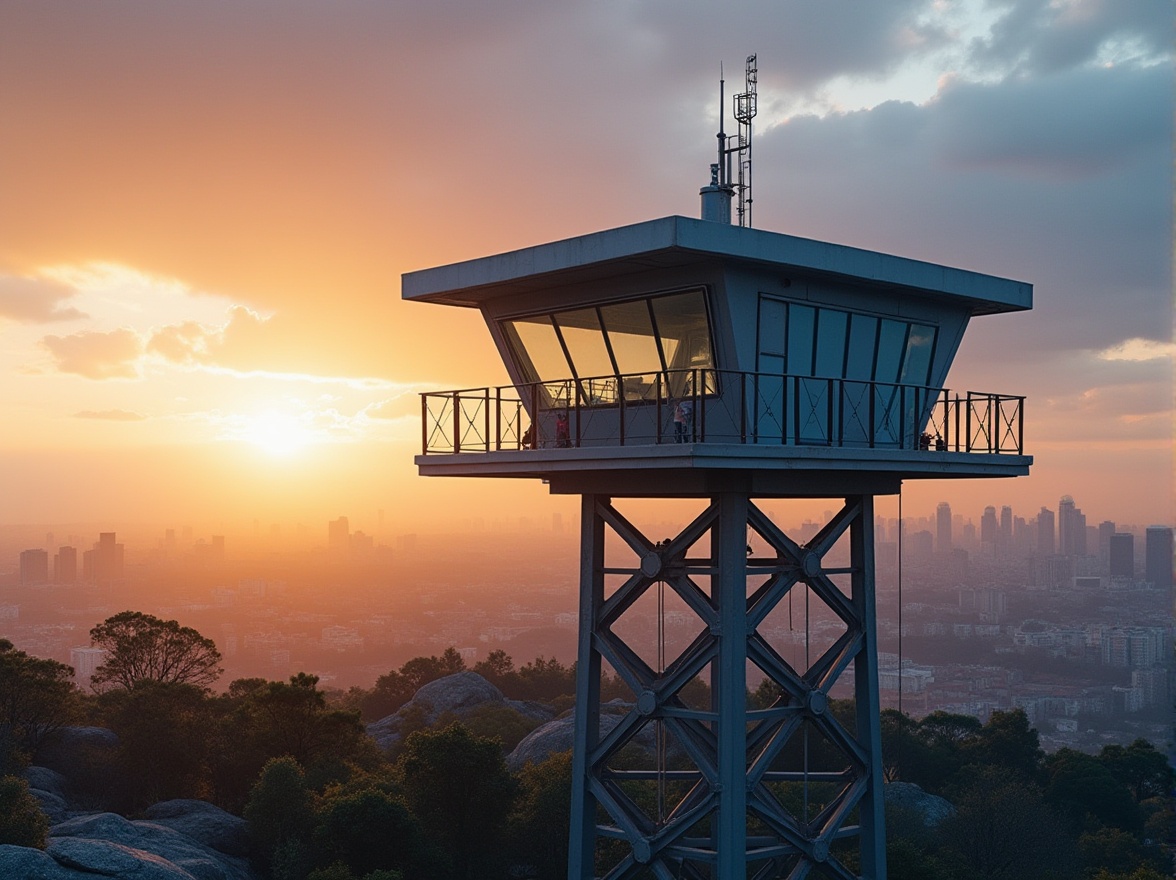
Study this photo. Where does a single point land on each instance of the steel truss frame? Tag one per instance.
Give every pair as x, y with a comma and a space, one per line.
729, 824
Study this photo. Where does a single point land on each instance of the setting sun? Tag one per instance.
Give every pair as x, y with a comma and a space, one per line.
276, 433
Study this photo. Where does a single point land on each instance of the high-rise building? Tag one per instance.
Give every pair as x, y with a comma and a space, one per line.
988, 526
1158, 556
84, 662
1045, 532
339, 535
1106, 528
1121, 555
943, 527
104, 563
1071, 528
34, 567
1005, 538
65, 565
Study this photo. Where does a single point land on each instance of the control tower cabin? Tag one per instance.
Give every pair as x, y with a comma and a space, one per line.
682, 358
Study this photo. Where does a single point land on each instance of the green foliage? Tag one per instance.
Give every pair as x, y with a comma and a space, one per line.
1003, 830
37, 697
1139, 766
541, 820
280, 813
1081, 787
1111, 849
458, 786
269, 719
22, 822
494, 722
371, 830
164, 744
140, 647
1007, 741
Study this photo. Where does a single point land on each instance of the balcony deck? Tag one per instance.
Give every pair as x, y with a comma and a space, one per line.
767, 434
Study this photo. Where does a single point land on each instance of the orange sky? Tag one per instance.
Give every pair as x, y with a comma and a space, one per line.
206, 209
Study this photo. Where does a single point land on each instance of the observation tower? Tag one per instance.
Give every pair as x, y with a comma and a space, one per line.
698, 359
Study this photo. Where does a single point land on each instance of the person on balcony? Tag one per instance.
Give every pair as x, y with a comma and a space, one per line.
683, 414
563, 435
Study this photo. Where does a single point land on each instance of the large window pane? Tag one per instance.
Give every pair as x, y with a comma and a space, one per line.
771, 327
800, 340
831, 326
891, 342
631, 335
538, 348
917, 366
585, 341
863, 334
684, 331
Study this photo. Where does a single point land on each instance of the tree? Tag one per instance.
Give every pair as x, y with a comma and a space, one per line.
164, 741
280, 814
542, 816
1081, 787
370, 830
1008, 741
458, 786
140, 647
1141, 767
1002, 830
22, 822
37, 697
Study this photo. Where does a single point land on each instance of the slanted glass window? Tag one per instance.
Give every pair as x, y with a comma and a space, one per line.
630, 333
581, 333
831, 326
863, 336
891, 339
537, 348
643, 340
920, 344
800, 340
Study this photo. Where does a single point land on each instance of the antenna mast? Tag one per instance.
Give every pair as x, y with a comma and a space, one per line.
716, 198
745, 107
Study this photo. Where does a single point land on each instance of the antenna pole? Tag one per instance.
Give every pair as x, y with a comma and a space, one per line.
724, 161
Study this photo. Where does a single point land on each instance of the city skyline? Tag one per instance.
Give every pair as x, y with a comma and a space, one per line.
208, 211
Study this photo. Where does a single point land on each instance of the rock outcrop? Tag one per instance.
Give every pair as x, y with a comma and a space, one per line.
931, 809
557, 735
458, 695
105, 845
49, 787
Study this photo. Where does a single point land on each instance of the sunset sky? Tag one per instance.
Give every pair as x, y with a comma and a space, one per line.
206, 207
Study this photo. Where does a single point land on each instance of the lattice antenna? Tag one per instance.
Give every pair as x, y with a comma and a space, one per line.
745, 108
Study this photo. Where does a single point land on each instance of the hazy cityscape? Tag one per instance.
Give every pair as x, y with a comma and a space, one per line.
1047, 611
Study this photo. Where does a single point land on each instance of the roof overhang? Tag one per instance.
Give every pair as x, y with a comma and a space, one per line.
672, 242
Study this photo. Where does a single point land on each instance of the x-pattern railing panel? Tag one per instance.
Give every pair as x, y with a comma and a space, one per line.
719, 406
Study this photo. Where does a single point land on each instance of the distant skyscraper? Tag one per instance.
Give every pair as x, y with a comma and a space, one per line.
1105, 530
34, 567
943, 527
339, 535
988, 526
104, 563
1158, 556
65, 566
1121, 555
1071, 528
1045, 532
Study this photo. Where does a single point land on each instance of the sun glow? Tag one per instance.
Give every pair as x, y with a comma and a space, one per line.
276, 433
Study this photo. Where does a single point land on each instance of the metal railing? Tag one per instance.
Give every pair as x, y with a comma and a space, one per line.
719, 406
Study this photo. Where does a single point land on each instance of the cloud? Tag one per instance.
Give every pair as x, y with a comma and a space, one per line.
1139, 350
194, 343
1046, 36
395, 408
97, 355
110, 415
36, 300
